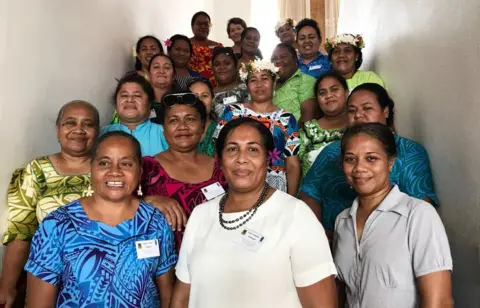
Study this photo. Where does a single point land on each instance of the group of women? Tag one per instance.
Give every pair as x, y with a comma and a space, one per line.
264, 183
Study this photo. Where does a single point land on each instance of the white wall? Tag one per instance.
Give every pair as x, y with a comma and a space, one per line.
428, 52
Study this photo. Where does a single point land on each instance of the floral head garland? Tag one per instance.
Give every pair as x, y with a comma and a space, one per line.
168, 43
288, 21
346, 38
255, 66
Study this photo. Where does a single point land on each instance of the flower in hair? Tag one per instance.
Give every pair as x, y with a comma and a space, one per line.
168, 43
255, 66
288, 21
346, 38
134, 51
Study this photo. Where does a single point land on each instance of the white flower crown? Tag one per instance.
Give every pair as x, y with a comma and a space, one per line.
346, 38
255, 66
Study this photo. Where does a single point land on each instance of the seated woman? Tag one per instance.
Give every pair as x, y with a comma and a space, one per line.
325, 188
45, 184
345, 54
390, 249
310, 61
284, 169
202, 47
202, 88
250, 42
147, 46
285, 31
332, 93
229, 89
235, 27
133, 97
294, 89
179, 49
181, 173
109, 249
254, 240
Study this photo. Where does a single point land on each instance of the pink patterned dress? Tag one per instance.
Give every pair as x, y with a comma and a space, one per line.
157, 182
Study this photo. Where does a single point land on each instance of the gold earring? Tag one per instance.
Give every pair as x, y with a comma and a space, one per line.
89, 191
139, 190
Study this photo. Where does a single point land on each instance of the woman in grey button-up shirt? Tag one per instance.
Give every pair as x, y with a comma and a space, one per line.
390, 249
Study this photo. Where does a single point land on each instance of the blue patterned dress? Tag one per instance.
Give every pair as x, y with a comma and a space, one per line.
326, 183
96, 265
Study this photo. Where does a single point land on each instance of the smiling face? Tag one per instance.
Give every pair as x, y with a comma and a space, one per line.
235, 32
148, 48
161, 72
244, 160
308, 42
343, 59
260, 86
202, 91
201, 27
366, 165
180, 53
77, 130
132, 104
286, 34
251, 42
183, 127
363, 107
332, 97
285, 61
224, 69
116, 169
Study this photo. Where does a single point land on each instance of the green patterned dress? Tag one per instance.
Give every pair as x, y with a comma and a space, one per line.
207, 145
35, 191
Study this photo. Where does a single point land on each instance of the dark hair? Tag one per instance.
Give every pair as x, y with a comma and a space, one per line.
330, 74
290, 49
235, 21
265, 134
197, 14
136, 145
198, 105
141, 81
358, 51
307, 22
375, 130
213, 115
165, 56
96, 116
383, 99
244, 32
138, 64
179, 37
228, 51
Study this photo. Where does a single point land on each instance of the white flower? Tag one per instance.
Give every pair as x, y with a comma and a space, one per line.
256, 66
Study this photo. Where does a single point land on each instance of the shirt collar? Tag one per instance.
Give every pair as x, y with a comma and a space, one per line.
319, 55
144, 125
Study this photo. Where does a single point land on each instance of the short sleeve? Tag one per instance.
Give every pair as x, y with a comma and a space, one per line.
292, 142
168, 255
24, 190
45, 260
428, 241
306, 88
374, 78
310, 252
311, 184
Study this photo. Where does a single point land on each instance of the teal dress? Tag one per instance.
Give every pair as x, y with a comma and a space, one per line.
207, 145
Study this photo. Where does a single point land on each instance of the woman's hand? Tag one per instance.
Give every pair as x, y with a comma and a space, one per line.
173, 212
7, 296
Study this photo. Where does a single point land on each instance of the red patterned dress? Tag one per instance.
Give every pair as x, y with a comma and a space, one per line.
157, 182
201, 60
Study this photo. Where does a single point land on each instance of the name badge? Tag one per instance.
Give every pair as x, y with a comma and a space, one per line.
147, 249
229, 100
315, 67
212, 191
250, 239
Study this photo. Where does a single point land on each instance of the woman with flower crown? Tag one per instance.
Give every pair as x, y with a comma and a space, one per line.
345, 54
284, 167
285, 31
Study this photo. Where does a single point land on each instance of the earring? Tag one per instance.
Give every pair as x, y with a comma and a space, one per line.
139, 190
89, 191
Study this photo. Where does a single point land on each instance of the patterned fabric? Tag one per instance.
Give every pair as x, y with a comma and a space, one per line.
182, 81
237, 95
284, 129
313, 139
157, 182
201, 60
317, 67
361, 77
325, 181
150, 135
207, 145
293, 92
96, 265
34, 192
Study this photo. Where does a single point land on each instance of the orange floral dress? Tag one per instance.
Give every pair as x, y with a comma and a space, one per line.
201, 60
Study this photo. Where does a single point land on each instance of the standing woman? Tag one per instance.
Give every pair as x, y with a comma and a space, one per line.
202, 88
250, 43
235, 27
345, 54
332, 93
254, 247
146, 48
391, 250
311, 61
284, 169
179, 49
106, 250
229, 88
45, 184
285, 31
202, 47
